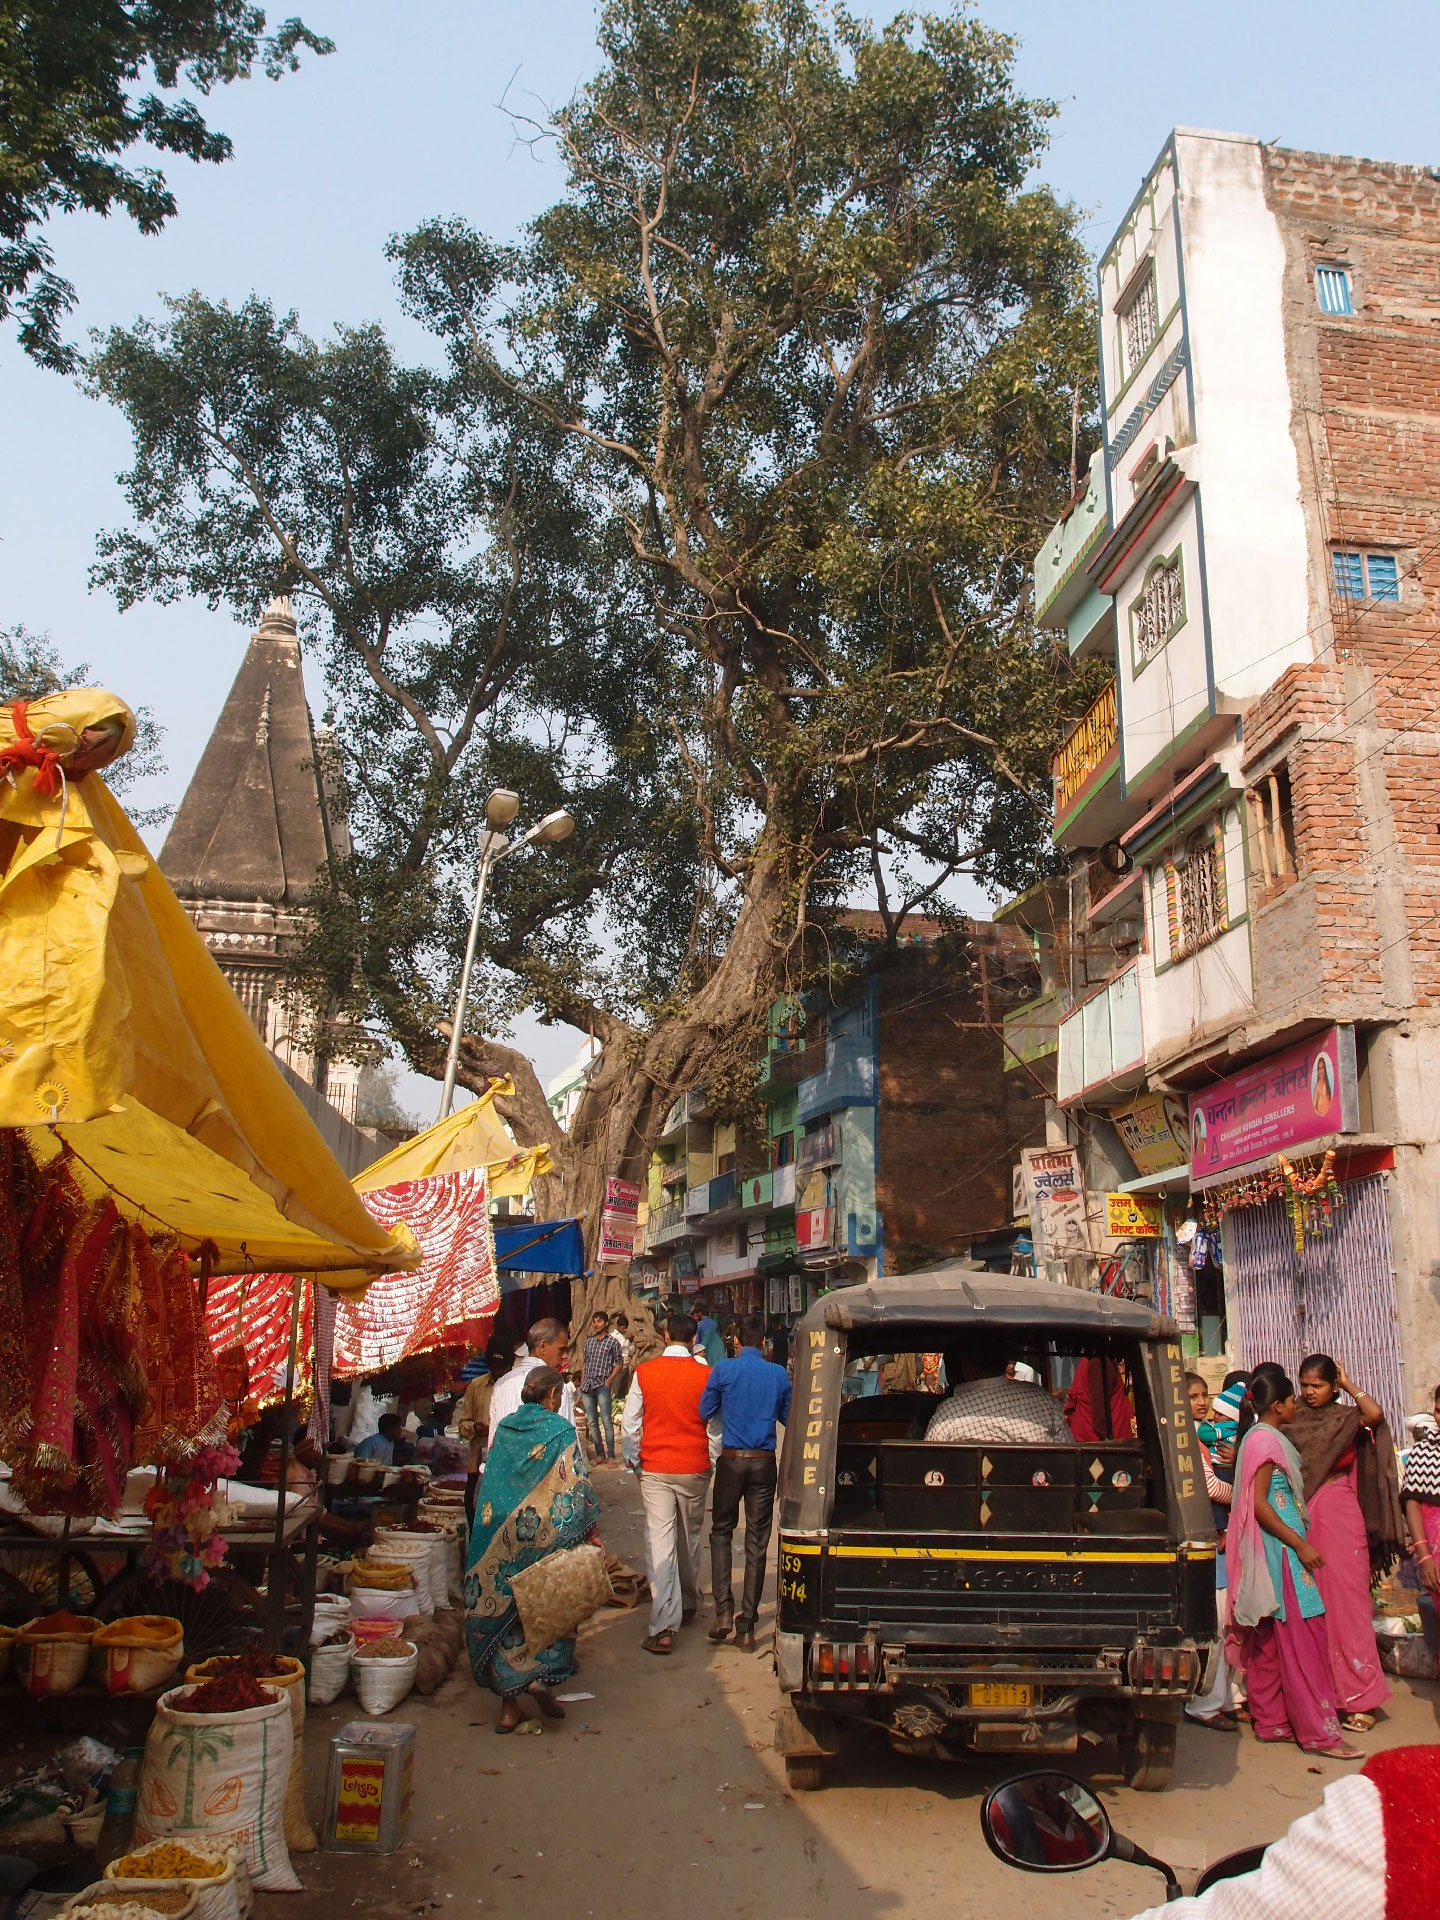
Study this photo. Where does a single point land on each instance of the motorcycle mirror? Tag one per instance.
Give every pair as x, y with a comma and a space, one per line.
1045, 1823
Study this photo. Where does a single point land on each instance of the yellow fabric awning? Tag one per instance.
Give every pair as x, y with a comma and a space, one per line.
159, 1176
118, 1029
476, 1136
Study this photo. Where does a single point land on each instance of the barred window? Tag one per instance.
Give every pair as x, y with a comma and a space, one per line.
1159, 610
1198, 892
1366, 576
1140, 320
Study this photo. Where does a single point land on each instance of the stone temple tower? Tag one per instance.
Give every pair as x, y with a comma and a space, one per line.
250, 836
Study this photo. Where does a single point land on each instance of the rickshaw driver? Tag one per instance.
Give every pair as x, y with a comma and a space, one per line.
986, 1408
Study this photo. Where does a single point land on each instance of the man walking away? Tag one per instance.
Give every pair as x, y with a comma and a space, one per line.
664, 1437
549, 1346
750, 1394
472, 1416
603, 1361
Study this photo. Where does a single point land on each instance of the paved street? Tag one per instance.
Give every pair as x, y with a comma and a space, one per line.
664, 1796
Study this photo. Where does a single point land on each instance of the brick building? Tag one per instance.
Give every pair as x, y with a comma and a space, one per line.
1250, 970
890, 1128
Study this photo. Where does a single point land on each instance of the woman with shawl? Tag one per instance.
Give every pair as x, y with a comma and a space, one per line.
1097, 1406
1353, 1494
1277, 1616
1420, 1494
535, 1499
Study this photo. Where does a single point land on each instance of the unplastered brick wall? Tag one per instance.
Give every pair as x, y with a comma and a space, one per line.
1365, 754
951, 1120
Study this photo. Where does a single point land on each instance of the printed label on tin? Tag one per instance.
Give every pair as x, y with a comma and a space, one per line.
358, 1800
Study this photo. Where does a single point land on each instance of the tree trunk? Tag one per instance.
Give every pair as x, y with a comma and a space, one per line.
637, 1079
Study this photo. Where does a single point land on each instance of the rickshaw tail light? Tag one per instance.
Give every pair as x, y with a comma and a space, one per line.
844, 1663
1162, 1669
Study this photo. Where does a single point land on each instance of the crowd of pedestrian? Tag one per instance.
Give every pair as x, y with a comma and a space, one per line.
1307, 1503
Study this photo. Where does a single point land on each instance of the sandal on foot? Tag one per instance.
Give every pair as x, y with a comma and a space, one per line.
1357, 1722
1217, 1722
658, 1643
547, 1703
1342, 1752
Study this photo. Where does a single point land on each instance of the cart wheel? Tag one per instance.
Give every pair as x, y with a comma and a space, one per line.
37, 1576
17, 1602
804, 1773
1147, 1754
227, 1616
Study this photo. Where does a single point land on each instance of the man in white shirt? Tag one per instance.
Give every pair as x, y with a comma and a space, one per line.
549, 1346
987, 1409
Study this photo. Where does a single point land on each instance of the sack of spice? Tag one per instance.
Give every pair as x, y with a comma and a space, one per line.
219, 1877
219, 1772
120, 1900
384, 1672
288, 1674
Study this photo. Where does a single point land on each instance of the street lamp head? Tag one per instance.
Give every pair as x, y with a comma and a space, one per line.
502, 807
555, 826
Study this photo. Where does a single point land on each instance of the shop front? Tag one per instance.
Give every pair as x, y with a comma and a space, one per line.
1300, 1207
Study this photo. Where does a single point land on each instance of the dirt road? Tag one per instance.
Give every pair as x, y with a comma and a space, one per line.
663, 1796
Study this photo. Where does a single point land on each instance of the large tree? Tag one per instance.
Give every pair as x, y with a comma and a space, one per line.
803, 343
71, 109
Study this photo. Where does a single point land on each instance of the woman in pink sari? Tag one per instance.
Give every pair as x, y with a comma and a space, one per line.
1353, 1494
1277, 1617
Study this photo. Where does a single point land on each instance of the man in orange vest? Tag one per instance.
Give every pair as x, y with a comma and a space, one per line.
664, 1438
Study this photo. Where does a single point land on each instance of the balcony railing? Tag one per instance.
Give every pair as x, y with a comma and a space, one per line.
1101, 1040
788, 1066
1031, 1031
1094, 741
719, 1193
666, 1224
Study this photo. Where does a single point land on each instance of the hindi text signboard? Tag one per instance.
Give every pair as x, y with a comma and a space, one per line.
1155, 1133
1129, 1216
1305, 1093
1056, 1202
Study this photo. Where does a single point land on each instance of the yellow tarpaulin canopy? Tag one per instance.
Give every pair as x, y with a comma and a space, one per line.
473, 1137
119, 1034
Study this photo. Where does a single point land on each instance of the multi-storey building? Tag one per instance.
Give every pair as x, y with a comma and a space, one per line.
1249, 970
890, 1125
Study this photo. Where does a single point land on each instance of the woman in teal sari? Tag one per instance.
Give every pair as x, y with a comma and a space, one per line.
535, 1499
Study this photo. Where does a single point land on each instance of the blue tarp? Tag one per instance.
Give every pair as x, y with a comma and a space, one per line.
540, 1246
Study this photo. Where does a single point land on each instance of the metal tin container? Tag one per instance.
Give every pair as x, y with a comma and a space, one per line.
367, 1797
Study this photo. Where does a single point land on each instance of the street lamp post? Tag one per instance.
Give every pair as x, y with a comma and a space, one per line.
500, 809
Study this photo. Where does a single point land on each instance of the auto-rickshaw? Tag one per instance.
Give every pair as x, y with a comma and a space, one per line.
989, 1598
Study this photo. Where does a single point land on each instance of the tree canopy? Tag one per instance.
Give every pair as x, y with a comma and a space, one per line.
70, 109
789, 376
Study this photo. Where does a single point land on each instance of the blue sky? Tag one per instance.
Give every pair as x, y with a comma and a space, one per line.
403, 121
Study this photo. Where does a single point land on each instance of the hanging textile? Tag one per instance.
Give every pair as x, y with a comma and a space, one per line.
248, 1320
452, 1297
104, 1362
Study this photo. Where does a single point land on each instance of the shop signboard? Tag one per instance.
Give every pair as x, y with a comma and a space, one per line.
1155, 1133
1130, 1216
1055, 1201
812, 1228
1307, 1092
617, 1238
1019, 1211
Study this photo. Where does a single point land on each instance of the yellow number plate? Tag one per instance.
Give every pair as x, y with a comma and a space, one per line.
994, 1693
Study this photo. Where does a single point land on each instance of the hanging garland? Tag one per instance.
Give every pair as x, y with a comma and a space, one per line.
184, 1544
1310, 1196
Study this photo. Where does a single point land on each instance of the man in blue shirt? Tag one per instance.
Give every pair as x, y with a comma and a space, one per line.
381, 1446
750, 1393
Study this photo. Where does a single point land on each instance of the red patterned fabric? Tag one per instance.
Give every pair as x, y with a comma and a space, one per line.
453, 1295
1408, 1782
247, 1318
26, 751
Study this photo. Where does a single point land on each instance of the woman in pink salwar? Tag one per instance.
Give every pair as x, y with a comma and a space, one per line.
1353, 1494
1277, 1617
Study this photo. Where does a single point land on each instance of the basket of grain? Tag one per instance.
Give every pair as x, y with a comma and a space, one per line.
384, 1672
51, 1654
119, 1900
217, 1876
137, 1653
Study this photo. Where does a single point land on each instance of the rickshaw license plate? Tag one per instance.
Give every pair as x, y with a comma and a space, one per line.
998, 1693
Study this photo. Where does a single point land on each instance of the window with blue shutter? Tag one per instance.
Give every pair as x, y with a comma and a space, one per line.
1366, 576
1332, 290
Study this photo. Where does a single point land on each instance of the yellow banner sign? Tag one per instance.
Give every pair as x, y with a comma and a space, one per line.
1129, 1216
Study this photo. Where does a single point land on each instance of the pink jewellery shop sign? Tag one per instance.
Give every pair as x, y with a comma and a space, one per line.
1276, 1106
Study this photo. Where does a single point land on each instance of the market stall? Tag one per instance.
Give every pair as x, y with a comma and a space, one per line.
148, 1143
